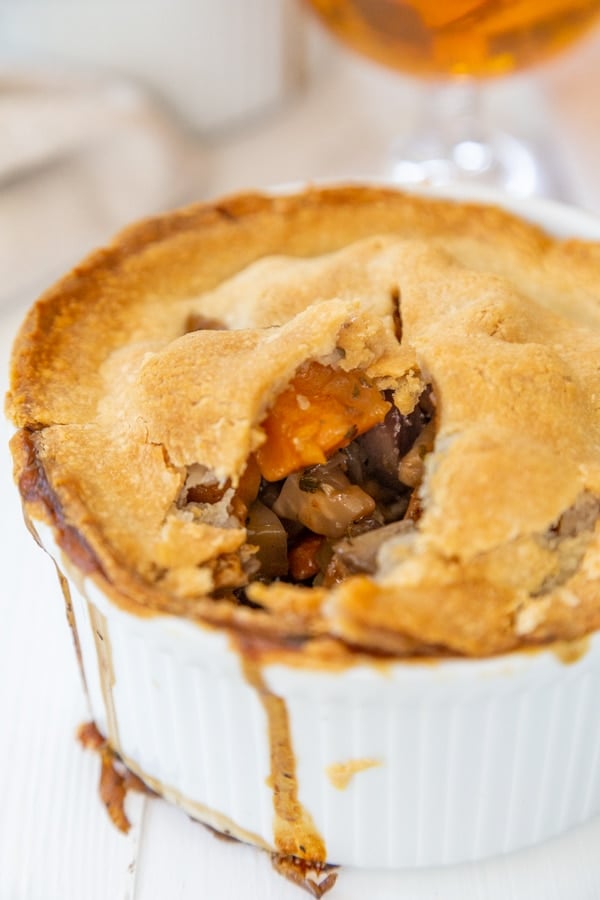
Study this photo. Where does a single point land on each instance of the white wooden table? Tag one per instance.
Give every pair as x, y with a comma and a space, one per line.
56, 842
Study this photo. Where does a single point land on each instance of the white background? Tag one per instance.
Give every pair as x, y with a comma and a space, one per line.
56, 842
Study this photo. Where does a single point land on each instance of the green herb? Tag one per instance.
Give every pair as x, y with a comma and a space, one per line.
308, 483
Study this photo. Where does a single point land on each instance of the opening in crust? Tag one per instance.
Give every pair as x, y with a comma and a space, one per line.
338, 474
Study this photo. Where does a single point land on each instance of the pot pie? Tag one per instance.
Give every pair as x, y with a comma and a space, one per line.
343, 428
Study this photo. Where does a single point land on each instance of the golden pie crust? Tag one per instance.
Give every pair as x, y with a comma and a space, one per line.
115, 399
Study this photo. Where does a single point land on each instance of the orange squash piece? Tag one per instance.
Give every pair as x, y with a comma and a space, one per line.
320, 411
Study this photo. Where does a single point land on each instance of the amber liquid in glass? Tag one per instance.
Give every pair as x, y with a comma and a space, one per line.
458, 37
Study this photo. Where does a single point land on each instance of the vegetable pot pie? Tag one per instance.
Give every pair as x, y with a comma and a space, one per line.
349, 413
285, 450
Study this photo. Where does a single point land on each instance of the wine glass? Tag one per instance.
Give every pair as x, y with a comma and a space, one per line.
452, 46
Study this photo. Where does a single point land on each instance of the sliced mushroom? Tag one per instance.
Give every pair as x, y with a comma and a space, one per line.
359, 554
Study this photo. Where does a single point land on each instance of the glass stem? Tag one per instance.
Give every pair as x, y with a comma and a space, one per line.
452, 141
461, 126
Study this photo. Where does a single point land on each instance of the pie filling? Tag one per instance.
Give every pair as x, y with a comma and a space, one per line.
337, 475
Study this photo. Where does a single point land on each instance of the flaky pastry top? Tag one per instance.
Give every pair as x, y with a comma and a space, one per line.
122, 386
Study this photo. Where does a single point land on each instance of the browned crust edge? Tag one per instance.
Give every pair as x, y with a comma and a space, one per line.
84, 286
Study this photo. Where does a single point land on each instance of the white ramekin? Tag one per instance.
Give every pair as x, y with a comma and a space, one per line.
217, 64
445, 761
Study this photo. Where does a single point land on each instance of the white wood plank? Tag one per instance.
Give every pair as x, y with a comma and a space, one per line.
181, 859
55, 840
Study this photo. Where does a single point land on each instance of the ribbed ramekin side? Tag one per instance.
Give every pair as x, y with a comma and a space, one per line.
409, 765
448, 771
172, 698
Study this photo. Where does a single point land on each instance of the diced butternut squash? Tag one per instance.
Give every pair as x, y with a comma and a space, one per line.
320, 411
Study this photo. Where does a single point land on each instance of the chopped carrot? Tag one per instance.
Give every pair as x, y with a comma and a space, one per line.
302, 557
320, 411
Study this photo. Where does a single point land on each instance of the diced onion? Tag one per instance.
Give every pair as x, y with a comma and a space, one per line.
330, 505
268, 534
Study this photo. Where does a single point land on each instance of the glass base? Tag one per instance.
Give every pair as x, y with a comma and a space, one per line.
454, 141
502, 162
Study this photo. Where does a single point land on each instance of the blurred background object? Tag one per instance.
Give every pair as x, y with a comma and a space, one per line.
214, 63
477, 38
452, 49
80, 157
106, 109
114, 111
